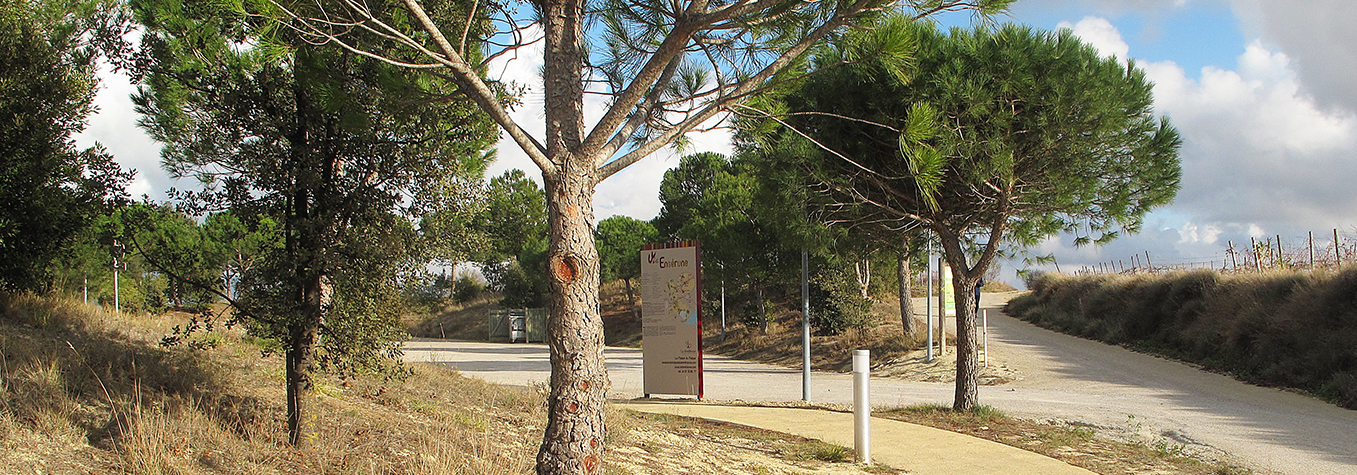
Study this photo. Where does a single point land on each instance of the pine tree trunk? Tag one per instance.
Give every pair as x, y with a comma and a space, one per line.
967, 352
967, 348
763, 310
631, 300
903, 271
573, 441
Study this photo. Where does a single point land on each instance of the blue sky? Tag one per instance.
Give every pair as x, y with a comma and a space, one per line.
1264, 93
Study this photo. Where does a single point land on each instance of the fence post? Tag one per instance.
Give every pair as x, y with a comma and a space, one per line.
1337, 254
1233, 260
1281, 263
1257, 258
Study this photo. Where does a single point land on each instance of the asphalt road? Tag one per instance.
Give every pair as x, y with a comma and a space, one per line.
1064, 378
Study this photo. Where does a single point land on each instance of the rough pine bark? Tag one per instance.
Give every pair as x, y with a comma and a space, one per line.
903, 271
573, 442
967, 348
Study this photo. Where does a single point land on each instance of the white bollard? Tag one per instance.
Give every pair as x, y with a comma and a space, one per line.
862, 408
985, 332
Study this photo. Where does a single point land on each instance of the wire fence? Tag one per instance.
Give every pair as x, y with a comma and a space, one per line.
1328, 251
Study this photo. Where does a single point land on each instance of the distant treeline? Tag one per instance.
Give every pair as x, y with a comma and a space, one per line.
1291, 329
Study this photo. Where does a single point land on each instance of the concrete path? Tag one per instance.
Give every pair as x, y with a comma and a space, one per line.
911, 447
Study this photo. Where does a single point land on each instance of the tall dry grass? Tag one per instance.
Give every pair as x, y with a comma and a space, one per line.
1283, 328
83, 390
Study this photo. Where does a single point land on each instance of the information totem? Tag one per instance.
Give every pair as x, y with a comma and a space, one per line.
671, 318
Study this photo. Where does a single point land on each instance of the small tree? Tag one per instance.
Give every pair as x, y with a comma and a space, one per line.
515, 224
717, 201
619, 241
335, 148
993, 136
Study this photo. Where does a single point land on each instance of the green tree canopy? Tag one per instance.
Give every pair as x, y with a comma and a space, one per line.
619, 241
49, 190
336, 148
515, 223
719, 202
993, 136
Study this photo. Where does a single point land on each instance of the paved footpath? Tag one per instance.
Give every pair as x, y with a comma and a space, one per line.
910, 447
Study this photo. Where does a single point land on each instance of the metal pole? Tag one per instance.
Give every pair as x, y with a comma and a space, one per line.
117, 306
85, 289
117, 252
862, 407
928, 304
942, 307
805, 326
723, 308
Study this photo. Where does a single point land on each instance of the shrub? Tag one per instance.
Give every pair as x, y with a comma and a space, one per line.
837, 304
467, 289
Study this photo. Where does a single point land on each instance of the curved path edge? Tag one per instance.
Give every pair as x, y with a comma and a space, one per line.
911, 447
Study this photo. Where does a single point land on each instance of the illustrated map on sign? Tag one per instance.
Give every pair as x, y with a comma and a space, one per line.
680, 294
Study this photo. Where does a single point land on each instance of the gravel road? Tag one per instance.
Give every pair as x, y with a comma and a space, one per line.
1063, 378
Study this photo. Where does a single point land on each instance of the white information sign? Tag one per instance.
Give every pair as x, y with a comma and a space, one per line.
671, 318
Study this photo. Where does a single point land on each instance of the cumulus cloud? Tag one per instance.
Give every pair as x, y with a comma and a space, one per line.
1101, 34
1263, 155
1318, 36
1255, 147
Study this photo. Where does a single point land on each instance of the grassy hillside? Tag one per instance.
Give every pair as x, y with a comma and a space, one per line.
1284, 328
88, 391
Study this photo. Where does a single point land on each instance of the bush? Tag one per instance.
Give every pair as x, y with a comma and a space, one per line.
1282, 329
467, 289
836, 304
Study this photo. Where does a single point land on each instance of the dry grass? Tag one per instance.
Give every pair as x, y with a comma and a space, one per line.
88, 391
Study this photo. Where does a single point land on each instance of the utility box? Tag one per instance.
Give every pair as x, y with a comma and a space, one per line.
517, 325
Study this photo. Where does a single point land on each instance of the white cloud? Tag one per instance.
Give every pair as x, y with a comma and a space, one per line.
114, 126
1319, 36
1255, 147
1101, 34
1263, 155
